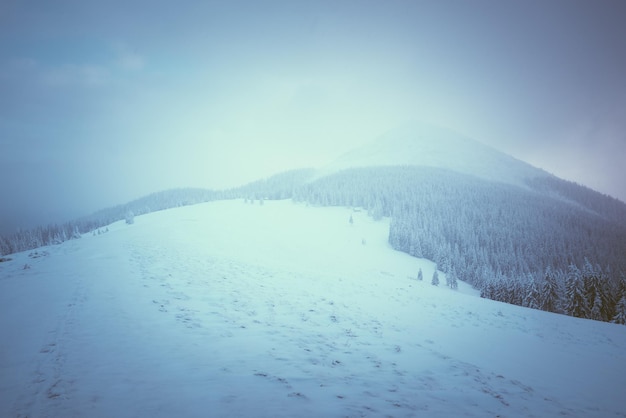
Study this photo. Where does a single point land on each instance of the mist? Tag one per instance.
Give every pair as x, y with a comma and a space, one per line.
106, 102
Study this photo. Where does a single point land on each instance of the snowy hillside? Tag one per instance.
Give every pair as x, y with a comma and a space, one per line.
432, 146
234, 309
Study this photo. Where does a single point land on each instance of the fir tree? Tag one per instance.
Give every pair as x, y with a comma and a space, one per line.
488, 290
435, 280
575, 301
549, 293
596, 309
531, 300
451, 279
454, 284
129, 217
596, 293
619, 317
620, 311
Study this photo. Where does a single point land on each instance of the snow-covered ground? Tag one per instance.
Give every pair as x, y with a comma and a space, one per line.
426, 145
233, 309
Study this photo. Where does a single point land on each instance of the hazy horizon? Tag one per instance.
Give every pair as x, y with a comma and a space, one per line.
106, 102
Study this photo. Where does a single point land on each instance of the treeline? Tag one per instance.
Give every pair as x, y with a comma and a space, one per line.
53, 234
281, 186
585, 292
500, 238
24, 240
155, 202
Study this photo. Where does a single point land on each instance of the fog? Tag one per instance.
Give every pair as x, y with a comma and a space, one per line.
104, 102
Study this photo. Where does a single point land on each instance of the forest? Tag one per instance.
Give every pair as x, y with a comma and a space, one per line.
552, 245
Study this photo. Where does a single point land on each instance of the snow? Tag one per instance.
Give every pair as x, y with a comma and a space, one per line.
233, 309
428, 145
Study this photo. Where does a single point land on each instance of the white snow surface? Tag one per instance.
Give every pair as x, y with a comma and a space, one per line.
281, 310
420, 144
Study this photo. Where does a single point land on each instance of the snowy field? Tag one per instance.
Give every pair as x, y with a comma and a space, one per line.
280, 310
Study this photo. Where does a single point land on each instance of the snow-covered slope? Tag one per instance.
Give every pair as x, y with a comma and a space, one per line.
232, 309
432, 146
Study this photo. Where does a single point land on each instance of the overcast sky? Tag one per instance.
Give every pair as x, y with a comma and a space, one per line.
102, 102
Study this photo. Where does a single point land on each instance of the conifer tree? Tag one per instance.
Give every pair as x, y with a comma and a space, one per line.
575, 301
435, 280
451, 279
596, 293
620, 307
531, 300
620, 311
488, 290
454, 285
596, 309
549, 293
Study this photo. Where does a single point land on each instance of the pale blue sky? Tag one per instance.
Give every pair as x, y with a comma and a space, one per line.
102, 102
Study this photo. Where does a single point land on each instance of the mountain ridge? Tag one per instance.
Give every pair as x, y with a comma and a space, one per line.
433, 146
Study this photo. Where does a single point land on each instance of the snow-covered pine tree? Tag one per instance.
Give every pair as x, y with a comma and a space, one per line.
416, 246
435, 280
532, 297
575, 301
596, 309
620, 311
488, 290
596, 293
620, 307
454, 284
549, 292
129, 217
451, 278
514, 290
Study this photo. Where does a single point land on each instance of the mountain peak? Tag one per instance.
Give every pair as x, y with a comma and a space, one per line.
433, 146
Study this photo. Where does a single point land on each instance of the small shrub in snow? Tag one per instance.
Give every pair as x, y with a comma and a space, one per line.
37, 254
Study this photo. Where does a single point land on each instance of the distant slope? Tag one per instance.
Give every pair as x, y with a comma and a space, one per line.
56, 234
606, 206
280, 186
491, 219
431, 146
478, 226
